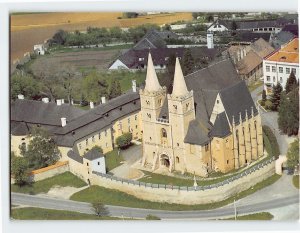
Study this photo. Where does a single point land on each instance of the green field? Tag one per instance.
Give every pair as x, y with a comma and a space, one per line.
296, 181
113, 160
43, 186
256, 216
32, 213
61, 49
115, 197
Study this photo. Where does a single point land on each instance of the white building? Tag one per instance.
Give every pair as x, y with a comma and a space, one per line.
218, 26
39, 49
278, 66
210, 40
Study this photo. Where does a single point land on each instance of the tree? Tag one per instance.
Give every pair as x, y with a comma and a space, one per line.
124, 140
288, 114
275, 98
130, 15
59, 37
20, 170
98, 148
94, 86
291, 83
24, 85
188, 64
100, 209
152, 217
42, 151
114, 89
293, 154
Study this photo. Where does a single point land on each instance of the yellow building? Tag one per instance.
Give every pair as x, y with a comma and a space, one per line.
208, 123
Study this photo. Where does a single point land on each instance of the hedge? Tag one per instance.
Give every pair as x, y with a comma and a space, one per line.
270, 142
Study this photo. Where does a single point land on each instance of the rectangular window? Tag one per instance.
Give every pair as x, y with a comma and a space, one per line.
280, 69
98, 163
87, 164
294, 71
135, 117
268, 68
287, 70
268, 78
274, 69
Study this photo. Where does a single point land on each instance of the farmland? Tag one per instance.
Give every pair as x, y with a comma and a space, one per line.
30, 29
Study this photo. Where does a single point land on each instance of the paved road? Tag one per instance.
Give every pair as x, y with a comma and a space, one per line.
270, 119
60, 204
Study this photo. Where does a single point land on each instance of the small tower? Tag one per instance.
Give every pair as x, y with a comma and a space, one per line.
181, 106
210, 40
152, 98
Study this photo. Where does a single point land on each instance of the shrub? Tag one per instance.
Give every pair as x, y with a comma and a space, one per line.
124, 140
262, 103
270, 142
268, 105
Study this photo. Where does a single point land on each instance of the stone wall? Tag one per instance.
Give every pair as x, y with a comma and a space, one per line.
43, 173
187, 195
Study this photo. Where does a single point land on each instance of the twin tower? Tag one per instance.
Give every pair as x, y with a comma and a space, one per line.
165, 121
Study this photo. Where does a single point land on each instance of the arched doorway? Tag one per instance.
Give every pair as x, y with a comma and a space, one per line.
164, 160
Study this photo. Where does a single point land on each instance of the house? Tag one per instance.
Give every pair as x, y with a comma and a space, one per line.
39, 49
208, 123
220, 26
259, 26
249, 58
250, 37
278, 66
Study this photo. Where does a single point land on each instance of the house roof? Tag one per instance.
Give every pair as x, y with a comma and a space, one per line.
197, 133
75, 156
262, 47
289, 53
249, 24
18, 128
248, 63
281, 38
292, 28
93, 154
248, 36
221, 126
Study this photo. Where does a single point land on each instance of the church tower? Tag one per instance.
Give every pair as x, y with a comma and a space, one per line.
152, 98
181, 113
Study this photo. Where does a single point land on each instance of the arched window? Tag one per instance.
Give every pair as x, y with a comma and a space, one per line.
163, 133
177, 159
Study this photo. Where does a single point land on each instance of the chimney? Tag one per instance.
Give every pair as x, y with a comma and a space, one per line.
20, 97
45, 100
63, 121
103, 99
58, 102
62, 101
134, 85
91, 105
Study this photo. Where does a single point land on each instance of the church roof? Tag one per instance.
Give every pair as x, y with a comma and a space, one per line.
197, 133
152, 83
179, 86
75, 156
221, 126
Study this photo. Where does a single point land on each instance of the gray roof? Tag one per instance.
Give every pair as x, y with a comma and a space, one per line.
38, 112
153, 39
18, 128
221, 126
281, 38
75, 156
293, 28
197, 133
93, 154
249, 24
248, 36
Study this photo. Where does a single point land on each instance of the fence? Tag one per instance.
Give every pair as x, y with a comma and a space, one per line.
188, 188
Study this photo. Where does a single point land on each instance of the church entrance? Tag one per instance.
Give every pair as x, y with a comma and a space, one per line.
165, 161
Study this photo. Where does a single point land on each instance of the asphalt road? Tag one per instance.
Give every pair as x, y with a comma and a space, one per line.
118, 211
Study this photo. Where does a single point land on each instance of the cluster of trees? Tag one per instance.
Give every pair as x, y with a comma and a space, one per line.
41, 152
193, 29
94, 35
124, 140
286, 103
210, 15
293, 155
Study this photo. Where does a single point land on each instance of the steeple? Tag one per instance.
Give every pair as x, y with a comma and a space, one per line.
179, 87
152, 83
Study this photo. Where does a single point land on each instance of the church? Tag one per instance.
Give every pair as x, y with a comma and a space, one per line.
208, 123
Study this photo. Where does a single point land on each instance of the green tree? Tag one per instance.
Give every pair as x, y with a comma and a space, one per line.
59, 37
130, 15
188, 64
98, 148
124, 140
24, 85
114, 89
100, 209
293, 154
20, 170
42, 151
94, 86
275, 98
291, 83
264, 95
152, 217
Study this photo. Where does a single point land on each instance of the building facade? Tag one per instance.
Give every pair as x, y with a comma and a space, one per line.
200, 127
278, 66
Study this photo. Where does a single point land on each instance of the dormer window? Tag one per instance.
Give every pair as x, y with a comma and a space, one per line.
141, 59
120, 108
134, 102
73, 132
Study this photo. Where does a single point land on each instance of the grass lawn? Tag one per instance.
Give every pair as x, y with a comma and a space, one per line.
256, 216
43, 186
112, 160
253, 85
32, 213
296, 181
115, 197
